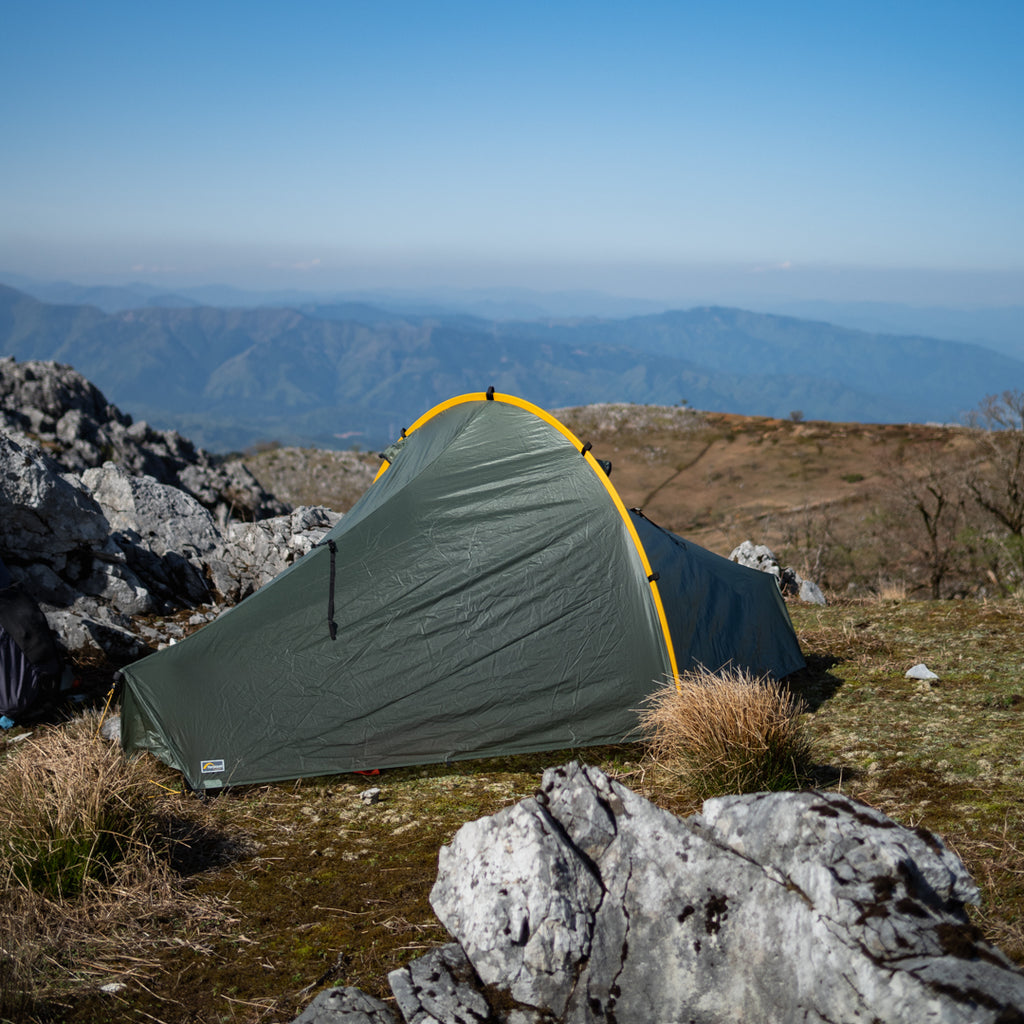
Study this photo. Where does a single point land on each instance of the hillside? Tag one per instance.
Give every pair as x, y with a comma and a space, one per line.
349, 374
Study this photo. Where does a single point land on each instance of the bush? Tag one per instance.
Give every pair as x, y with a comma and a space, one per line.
728, 732
72, 808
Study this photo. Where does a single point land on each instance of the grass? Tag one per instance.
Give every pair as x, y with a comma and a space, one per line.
262, 892
728, 732
72, 810
88, 855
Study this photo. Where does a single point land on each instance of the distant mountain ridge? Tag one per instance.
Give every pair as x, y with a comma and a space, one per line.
331, 375
998, 327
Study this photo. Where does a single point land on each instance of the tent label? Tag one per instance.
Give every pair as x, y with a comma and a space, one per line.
212, 767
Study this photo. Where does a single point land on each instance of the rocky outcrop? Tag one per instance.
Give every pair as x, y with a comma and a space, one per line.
252, 554
57, 408
104, 547
791, 583
588, 904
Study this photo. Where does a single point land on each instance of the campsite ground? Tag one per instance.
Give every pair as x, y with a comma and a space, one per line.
282, 889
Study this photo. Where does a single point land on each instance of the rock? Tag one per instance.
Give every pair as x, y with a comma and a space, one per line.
45, 516
100, 550
157, 516
55, 406
791, 583
111, 728
810, 593
370, 796
166, 535
440, 988
346, 1006
756, 556
920, 671
113, 520
587, 903
252, 554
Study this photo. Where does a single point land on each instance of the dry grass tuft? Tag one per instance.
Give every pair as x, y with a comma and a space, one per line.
87, 844
72, 808
891, 590
728, 732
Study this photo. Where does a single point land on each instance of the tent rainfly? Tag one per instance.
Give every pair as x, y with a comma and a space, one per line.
489, 594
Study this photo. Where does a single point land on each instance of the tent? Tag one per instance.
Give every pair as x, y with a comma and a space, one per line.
30, 661
489, 594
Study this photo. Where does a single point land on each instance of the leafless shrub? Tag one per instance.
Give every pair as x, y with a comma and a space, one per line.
995, 479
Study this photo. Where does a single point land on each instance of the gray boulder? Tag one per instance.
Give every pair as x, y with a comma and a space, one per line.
440, 988
587, 903
98, 551
166, 535
145, 512
757, 556
44, 514
791, 583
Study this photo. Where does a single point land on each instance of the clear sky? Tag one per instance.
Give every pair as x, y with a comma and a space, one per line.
827, 149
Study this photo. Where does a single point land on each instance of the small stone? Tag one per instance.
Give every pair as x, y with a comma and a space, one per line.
921, 671
370, 796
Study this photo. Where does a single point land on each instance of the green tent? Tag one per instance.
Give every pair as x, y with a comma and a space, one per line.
489, 594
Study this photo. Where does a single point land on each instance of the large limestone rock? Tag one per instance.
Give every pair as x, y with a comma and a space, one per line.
587, 903
141, 510
106, 521
440, 987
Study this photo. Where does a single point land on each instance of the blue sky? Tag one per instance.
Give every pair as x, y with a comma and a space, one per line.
692, 150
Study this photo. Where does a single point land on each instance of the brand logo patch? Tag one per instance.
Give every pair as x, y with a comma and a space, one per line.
211, 767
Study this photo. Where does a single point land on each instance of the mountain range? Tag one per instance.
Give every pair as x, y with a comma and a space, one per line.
335, 375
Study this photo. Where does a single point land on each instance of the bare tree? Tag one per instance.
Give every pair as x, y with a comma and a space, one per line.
928, 505
995, 477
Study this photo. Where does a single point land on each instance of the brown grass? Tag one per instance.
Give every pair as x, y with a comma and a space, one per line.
87, 846
72, 808
728, 732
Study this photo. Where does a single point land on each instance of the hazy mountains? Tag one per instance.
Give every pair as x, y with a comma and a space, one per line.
996, 327
354, 374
